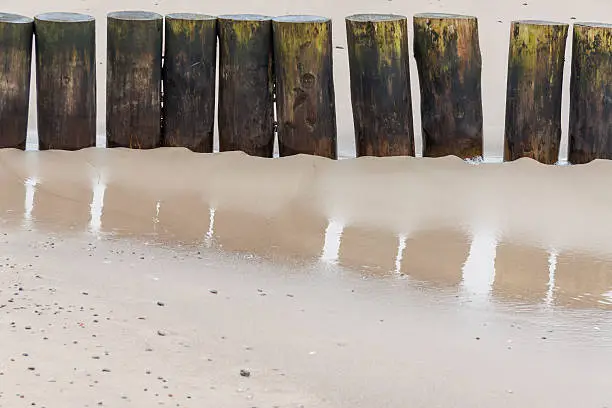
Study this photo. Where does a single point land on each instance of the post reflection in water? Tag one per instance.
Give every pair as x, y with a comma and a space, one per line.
291, 233
436, 256
13, 201
372, 251
127, 211
583, 281
522, 273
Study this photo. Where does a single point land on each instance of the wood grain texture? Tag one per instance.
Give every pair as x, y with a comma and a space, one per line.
305, 95
190, 62
447, 53
16, 33
133, 79
590, 123
246, 84
380, 84
533, 98
66, 80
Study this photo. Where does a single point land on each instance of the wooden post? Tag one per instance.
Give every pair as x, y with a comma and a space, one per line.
533, 99
305, 97
447, 53
246, 104
380, 84
590, 123
15, 69
66, 80
133, 79
190, 64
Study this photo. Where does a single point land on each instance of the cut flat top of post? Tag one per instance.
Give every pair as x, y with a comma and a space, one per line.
14, 18
64, 17
444, 16
134, 15
593, 24
539, 22
190, 16
300, 19
244, 17
375, 17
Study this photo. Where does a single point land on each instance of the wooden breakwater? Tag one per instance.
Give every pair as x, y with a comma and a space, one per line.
166, 97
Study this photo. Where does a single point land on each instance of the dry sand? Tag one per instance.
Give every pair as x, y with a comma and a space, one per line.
131, 278
142, 278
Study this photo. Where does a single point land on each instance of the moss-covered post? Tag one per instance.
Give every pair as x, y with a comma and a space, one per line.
190, 63
590, 123
380, 84
66, 80
305, 97
533, 98
246, 82
133, 79
15, 71
447, 53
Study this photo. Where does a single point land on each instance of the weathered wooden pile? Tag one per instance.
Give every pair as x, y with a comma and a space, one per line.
166, 97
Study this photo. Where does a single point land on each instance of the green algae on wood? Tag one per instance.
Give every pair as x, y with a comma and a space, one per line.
447, 53
246, 94
380, 84
66, 80
189, 81
305, 96
533, 100
15, 71
590, 123
133, 79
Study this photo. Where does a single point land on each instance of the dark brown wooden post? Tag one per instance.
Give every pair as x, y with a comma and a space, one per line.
190, 64
246, 82
380, 84
533, 99
66, 80
15, 70
305, 97
447, 53
590, 123
133, 79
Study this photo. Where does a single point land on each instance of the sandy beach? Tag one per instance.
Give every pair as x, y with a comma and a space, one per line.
170, 278
236, 281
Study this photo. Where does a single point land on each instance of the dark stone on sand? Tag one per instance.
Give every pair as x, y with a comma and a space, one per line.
245, 373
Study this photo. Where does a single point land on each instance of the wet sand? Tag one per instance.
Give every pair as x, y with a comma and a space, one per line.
155, 277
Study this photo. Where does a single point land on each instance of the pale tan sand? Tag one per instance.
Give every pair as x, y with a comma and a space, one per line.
367, 282
413, 282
